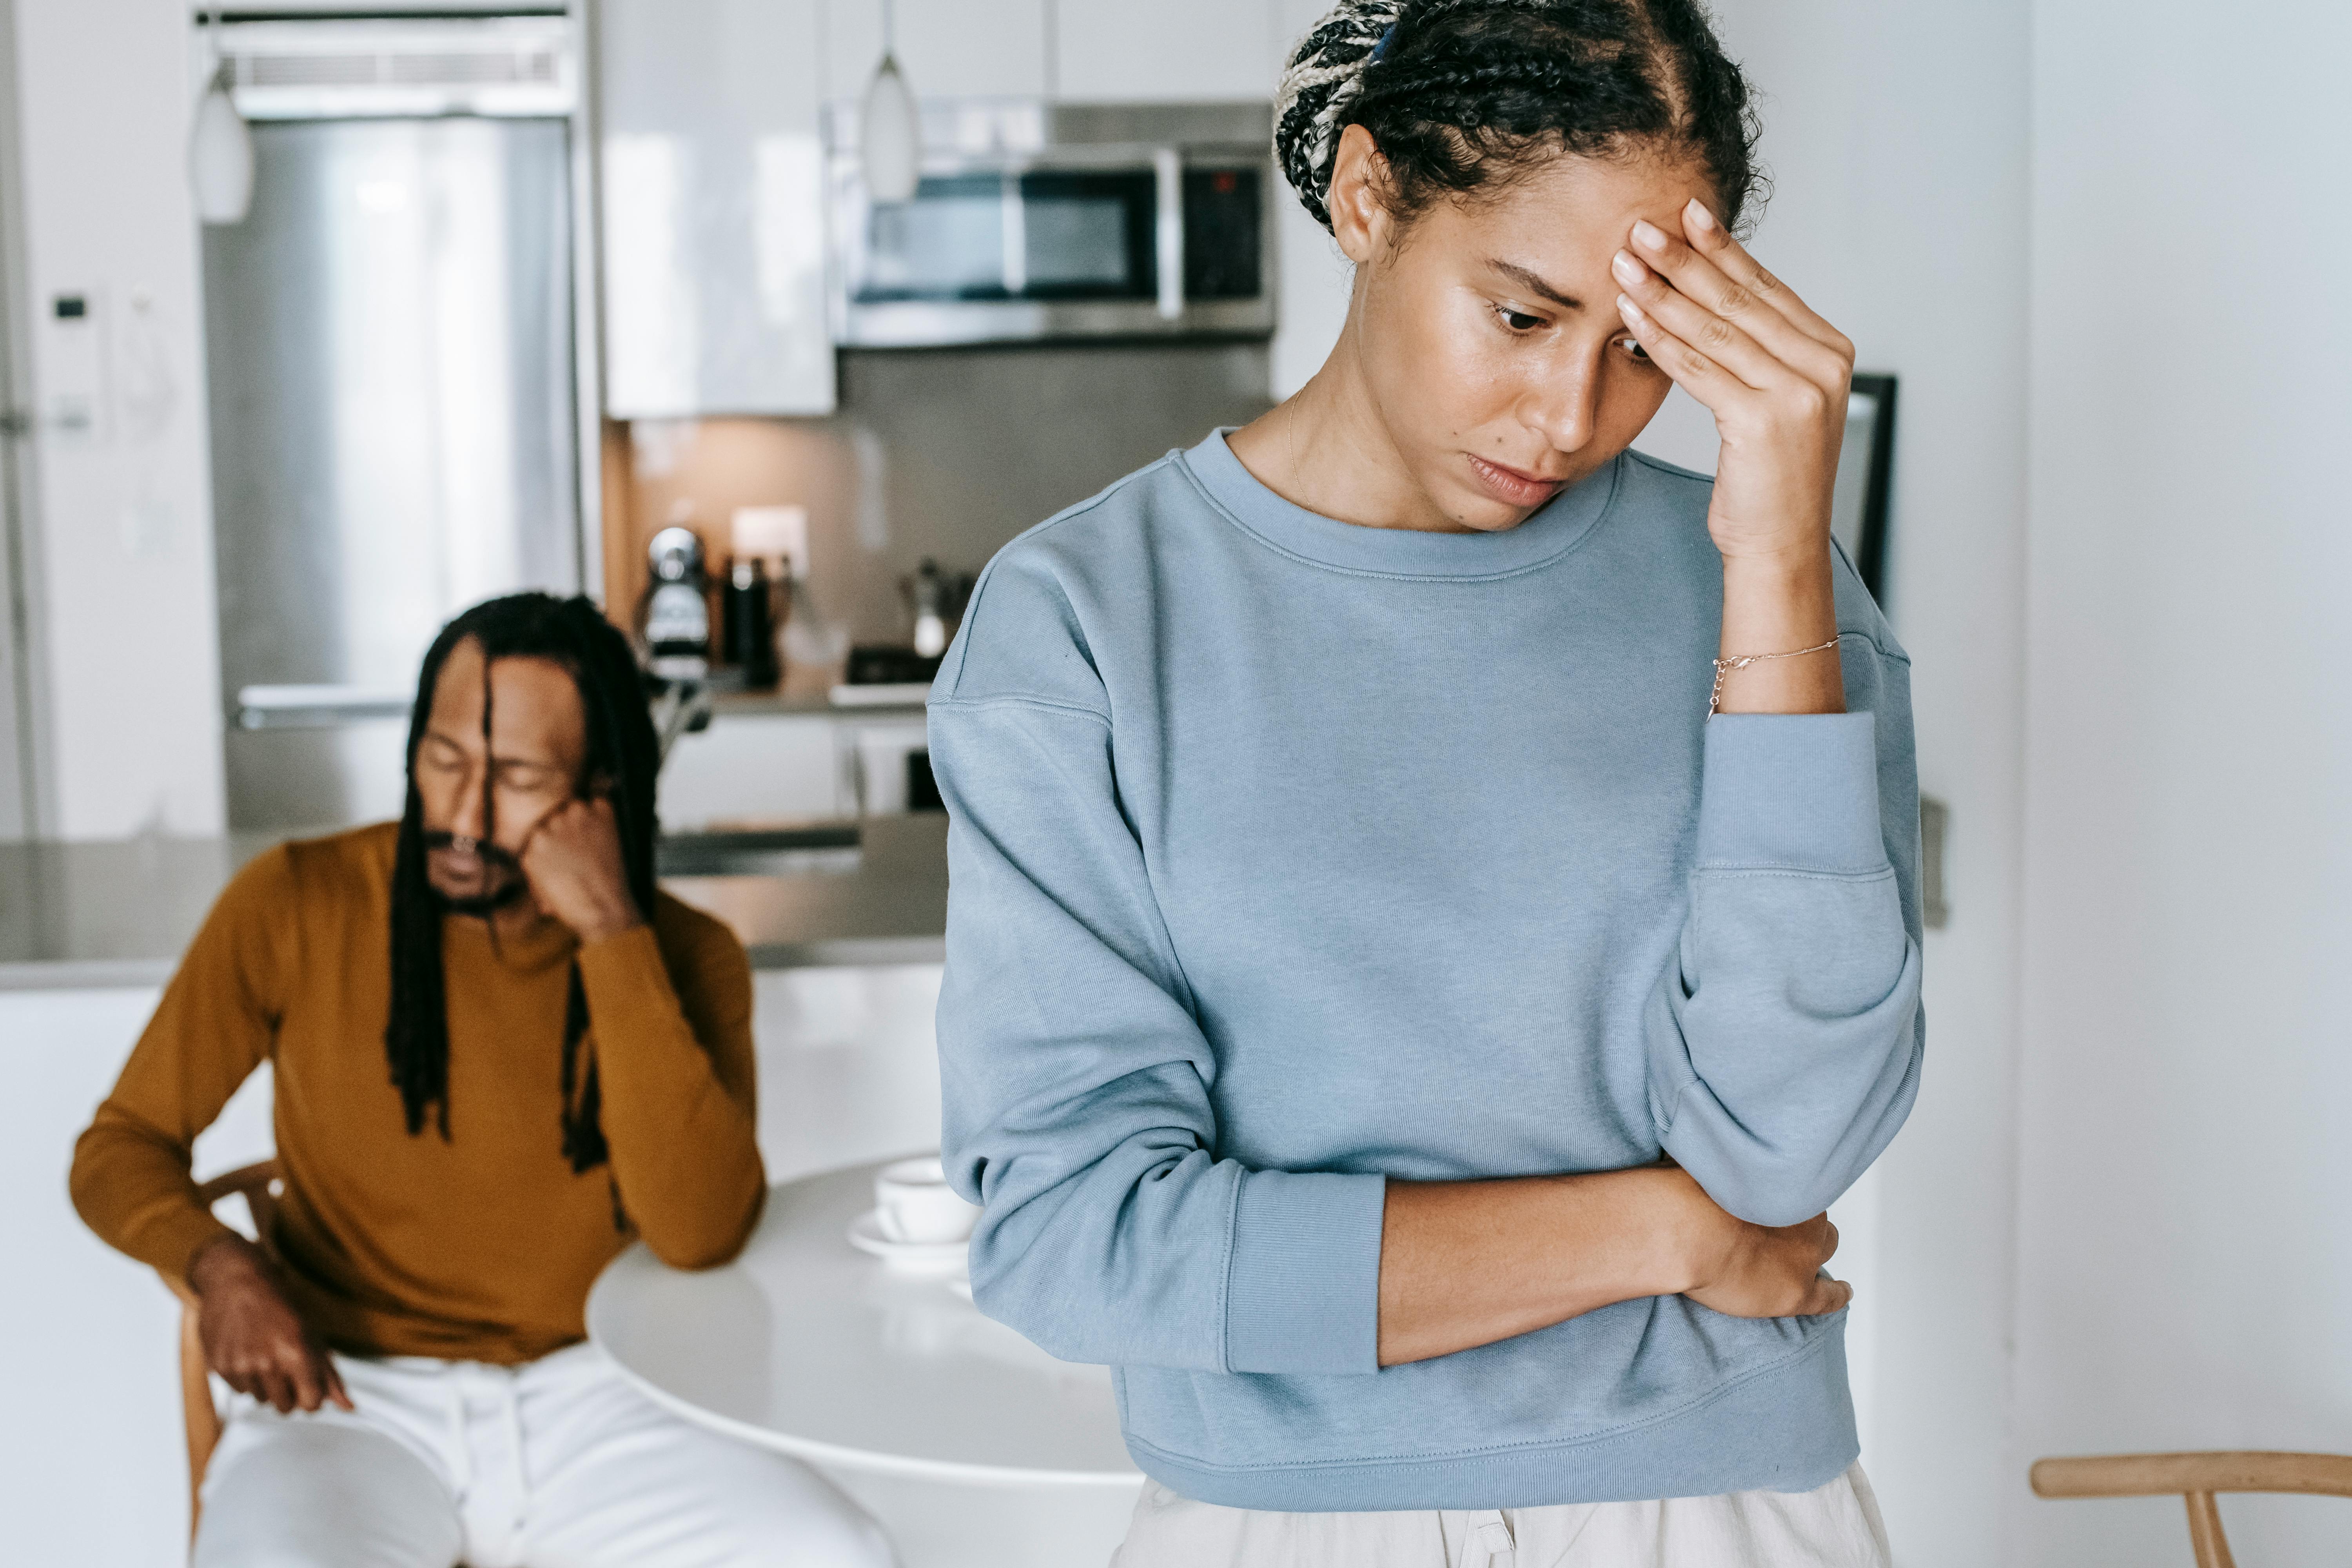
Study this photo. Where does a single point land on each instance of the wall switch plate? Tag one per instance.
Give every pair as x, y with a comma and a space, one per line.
71, 371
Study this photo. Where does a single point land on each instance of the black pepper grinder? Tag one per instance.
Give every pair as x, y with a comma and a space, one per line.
749, 621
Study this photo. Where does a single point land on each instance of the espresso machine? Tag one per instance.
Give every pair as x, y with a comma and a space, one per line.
674, 633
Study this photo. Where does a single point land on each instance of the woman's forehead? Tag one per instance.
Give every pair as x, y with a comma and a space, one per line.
1577, 210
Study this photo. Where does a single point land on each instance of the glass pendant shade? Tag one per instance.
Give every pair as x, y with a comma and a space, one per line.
220, 156
890, 132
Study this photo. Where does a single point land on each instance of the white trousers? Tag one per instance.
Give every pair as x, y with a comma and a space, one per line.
1836, 1526
558, 1463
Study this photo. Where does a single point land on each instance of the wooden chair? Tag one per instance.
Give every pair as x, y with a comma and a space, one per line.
199, 1416
2198, 1478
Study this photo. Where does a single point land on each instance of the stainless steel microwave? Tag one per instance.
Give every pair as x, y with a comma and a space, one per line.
1036, 221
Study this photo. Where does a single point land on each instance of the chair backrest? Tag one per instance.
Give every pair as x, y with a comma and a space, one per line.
199, 1416
2199, 1478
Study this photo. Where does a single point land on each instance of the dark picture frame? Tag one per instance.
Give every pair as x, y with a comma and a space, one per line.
1866, 477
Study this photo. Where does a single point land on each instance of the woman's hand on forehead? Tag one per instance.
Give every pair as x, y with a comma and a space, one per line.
1773, 372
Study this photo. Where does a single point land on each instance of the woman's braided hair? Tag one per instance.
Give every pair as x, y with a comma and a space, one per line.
1461, 95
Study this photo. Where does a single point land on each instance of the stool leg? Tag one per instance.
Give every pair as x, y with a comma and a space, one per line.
198, 1415
2205, 1532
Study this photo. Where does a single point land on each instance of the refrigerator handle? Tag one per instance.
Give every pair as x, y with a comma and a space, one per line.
1168, 185
318, 706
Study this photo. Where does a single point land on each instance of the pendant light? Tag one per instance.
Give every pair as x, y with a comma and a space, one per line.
220, 149
889, 131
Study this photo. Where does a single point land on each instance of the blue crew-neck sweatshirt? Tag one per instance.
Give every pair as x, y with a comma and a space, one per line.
1289, 855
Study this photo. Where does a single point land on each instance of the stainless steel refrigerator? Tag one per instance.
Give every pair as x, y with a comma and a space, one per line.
391, 348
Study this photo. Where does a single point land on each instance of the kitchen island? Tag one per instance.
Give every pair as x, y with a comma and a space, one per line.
114, 914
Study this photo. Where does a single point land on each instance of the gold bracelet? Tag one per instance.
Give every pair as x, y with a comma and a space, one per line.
1724, 666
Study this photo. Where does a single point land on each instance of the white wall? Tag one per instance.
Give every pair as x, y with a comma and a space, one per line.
130, 695
2185, 1259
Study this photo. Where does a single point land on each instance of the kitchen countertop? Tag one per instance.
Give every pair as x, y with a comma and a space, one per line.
766, 704
804, 692
96, 915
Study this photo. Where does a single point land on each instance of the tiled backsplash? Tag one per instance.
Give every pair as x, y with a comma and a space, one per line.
940, 453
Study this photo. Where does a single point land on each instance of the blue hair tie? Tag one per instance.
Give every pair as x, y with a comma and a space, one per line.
1383, 46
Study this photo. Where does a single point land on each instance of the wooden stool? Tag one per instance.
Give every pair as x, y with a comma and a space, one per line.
2198, 1477
199, 1416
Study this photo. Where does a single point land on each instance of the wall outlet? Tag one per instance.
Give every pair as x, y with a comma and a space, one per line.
1935, 913
772, 532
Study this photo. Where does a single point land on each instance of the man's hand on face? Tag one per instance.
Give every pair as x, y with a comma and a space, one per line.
252, 1338
574, 861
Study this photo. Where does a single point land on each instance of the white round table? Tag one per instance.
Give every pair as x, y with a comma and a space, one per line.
972, 1444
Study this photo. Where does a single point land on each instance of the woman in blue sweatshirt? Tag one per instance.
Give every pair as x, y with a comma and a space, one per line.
1433, 920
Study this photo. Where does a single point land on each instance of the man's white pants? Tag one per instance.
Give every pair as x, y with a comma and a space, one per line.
558, 1463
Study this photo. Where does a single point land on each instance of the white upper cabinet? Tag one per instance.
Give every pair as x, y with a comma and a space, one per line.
712, 211
1087, 51
1167, 50
948, 48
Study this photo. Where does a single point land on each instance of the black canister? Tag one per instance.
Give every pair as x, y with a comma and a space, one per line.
748, 619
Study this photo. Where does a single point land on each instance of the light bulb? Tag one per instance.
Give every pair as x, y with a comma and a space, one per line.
890, 132
220, 156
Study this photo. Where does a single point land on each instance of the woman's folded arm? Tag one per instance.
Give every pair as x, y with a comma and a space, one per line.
1075, 1082
1785, 1039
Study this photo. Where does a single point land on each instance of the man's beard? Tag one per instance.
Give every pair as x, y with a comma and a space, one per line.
502, 891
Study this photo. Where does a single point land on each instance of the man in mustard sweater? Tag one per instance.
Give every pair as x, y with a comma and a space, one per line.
500, 1054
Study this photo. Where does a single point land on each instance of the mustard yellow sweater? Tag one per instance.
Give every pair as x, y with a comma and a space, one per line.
481, 1247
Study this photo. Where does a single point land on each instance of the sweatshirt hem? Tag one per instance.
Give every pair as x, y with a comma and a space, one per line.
1786, 1428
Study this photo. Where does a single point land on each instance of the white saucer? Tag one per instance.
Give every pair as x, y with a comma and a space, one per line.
915, 1256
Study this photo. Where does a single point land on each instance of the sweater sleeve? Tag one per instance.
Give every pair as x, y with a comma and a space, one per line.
669, 1011
216, 1022
1076, 1077
1784, 1043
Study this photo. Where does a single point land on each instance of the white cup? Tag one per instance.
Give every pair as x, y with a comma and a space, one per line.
913, 1203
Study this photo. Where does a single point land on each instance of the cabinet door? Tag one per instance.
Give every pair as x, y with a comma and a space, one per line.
713, 210
1141, 51
949, 48
751, 768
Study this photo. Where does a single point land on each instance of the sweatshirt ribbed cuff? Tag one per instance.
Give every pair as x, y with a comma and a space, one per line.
1303, 1291
1797, 790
